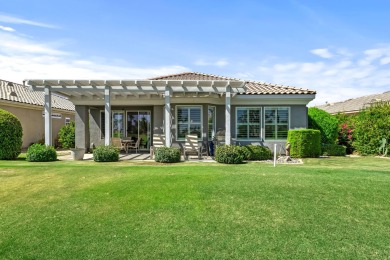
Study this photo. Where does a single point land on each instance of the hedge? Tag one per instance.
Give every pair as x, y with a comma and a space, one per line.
325, 122
167, 155
333, 150
11, 133
256, 152
229, 154
104, 153
41, 153
304, 143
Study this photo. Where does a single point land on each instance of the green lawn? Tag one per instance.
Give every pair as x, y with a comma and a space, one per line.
327, 208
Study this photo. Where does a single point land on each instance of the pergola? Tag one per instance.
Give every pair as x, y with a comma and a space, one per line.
104, 90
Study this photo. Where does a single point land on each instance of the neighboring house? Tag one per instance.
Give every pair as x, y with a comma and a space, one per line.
175, 105
28, 107
353, 106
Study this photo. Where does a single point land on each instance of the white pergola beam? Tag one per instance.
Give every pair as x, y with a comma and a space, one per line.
228, 115
107, 115
168, 116
48, 122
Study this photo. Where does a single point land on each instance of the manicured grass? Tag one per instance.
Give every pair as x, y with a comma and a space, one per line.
327, 208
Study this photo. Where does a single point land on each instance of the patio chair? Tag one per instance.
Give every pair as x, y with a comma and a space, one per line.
158, 141
191, 146
135, 145
117, 142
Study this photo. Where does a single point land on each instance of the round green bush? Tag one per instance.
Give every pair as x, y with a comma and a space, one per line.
229, 154
167, 155
334, 150
104, 153
11, 134
304, 143
66, 135
256, 152
325, 122
41, 153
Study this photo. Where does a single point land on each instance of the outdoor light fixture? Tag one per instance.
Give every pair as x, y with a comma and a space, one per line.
12, 93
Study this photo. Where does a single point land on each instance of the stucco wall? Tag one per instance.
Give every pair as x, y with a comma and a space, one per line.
33, 122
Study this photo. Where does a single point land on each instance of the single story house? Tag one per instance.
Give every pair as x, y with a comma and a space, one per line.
354, 105
243, 112
27, 106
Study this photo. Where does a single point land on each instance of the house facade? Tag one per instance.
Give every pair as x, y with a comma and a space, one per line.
242, 112
27, 106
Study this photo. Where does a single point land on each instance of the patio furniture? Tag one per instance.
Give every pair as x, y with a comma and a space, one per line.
158, 141
192, 146
119, 143
135, 145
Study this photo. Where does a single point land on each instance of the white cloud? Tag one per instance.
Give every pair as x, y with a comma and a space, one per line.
335, 79
6, 28
217, 63
22, 58
15, 20
323, 53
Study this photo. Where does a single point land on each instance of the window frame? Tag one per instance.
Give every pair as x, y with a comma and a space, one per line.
276, 123
177, 121
248, 124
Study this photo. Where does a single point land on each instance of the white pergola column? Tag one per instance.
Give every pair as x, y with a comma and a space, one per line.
167, 116
107, 115
48, 124
228, 115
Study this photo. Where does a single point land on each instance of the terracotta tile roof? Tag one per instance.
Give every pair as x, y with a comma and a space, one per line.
253, 87
24, 95
356, 104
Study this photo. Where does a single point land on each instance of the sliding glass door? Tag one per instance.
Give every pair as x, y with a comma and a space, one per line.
138, 126
118, 126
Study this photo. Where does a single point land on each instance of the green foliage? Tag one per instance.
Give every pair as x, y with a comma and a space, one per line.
304, 143
167, 155
333, 150
104, 153
371, 126
41, 153
325, 122
229, 154
11, 134
256, 152
66, 135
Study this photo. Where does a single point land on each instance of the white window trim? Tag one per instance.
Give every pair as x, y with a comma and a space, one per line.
100, 123
289, 122
261, 124
177, 122
210, 138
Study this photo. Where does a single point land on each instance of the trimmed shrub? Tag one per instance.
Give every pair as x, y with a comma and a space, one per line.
11, 134
41, 153
333, 150
304, 143
371, 126
325, 122
229, 154
167, 155
66, 135
104, 153
256, 152
346, 131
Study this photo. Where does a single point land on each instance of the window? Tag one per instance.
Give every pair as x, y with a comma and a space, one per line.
248, 123
211, 122
189, 121
102, 124
276, 122
67, 120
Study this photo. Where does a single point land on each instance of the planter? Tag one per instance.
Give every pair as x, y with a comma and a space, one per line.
77, 153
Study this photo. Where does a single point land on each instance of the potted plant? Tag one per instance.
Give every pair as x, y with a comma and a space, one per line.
77, 153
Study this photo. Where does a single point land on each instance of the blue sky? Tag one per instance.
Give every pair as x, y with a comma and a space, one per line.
341, 49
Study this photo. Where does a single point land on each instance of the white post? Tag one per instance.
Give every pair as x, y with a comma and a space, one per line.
274, 155
167, 115
228, 115
107, 115
48, 123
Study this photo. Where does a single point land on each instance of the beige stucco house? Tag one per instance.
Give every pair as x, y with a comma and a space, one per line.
27, 105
